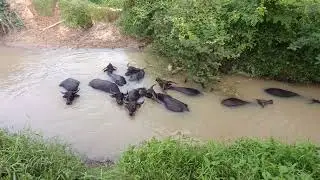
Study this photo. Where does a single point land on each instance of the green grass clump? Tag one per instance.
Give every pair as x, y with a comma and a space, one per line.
44, 7
243, 159
29, 156
109, 3
279, 39
82, 13
76, 13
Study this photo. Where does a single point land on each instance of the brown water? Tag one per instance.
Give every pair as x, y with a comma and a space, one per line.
96, 126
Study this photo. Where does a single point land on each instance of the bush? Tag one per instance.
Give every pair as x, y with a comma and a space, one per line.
243, 159
76, 13
9, 20
268, 38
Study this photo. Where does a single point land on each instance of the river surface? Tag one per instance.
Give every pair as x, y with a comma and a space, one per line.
96, 126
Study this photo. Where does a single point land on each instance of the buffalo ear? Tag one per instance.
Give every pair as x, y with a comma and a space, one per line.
113, 95
64, 96
76, 95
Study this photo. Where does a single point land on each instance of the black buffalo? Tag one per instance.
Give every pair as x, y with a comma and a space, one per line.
281, 92
70, 84
165, 85
171, 103
132, 106
119, 80
70, 96
136, 94
135, 74
109, 87
235, 102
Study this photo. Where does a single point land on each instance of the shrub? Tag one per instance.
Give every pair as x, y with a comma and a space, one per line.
243, 159
76, 13
269, 38
9, 20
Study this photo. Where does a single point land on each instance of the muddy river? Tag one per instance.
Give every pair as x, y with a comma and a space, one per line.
96, 126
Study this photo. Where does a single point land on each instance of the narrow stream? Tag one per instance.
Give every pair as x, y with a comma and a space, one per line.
96, 126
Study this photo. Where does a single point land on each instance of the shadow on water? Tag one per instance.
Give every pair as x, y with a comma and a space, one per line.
97, 126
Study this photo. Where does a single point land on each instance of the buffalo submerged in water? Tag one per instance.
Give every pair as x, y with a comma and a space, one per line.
119, 80
108, 87
169, 102
235, 102
169, 85
72, 88
135, 74
286, 94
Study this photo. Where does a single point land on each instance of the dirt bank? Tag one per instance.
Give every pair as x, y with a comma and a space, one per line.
37, 33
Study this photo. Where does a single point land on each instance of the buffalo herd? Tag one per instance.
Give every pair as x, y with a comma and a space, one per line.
133, 99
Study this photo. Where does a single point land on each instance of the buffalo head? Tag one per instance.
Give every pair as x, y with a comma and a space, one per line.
133, 106
119, 97
70, 96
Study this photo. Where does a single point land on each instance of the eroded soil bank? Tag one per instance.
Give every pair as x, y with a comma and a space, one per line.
36, 31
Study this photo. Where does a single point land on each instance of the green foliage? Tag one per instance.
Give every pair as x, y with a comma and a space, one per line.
82, 13
243, 159
76, 13
269, 38
44, 7
9, 20
28, 156
109, 3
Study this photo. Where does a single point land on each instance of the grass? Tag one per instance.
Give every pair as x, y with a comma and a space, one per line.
28, 156
44, 7
243, 159
82, 13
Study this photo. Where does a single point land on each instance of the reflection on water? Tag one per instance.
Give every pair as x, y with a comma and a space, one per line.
97, 126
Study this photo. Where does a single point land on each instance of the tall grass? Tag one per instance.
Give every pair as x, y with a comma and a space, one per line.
44, 7
29, 156
82, 13
243, 159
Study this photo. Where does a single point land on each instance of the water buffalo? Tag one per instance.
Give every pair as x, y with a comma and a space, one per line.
70, 84
165, 85
171, 103
132, 70
133, 106
287, 94
109, 87
281, 92
70, 96
119, 80
136, 94
137, 76
235, 102
151, 93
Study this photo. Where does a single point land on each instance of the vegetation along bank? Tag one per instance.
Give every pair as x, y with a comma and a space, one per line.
278, 39
9, 20
29, 156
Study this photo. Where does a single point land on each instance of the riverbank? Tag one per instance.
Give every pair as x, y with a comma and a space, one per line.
50, 31
26, 155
